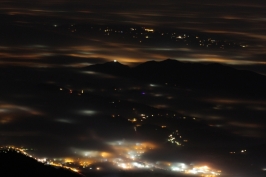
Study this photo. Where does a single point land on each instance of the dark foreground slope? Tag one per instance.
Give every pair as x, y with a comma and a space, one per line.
16, 164
212, 77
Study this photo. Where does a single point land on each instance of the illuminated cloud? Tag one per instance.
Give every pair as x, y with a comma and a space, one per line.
10, 112
236, 101
88, 112
245, 125
68, 121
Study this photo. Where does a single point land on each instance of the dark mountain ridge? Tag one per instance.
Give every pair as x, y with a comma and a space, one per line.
114, 68
213, 76
14, 163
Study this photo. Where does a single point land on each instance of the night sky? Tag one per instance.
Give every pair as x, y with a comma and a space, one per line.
48, 102
29, 22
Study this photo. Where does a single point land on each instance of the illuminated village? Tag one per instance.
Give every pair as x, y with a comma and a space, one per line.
128, 156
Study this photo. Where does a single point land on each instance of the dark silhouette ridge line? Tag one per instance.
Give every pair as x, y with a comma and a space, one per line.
211, 76
16, 164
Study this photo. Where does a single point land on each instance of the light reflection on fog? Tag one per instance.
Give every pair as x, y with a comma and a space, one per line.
88, 112
68, 121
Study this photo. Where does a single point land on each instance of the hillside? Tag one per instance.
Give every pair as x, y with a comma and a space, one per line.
14, 163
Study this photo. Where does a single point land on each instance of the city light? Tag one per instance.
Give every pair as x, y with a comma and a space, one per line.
128, 157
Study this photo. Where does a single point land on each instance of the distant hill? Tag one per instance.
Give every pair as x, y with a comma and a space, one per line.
114, 68
170, 72
14, 164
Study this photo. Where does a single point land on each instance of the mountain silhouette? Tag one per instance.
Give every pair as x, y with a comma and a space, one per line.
14, 163
213, 76
114, 68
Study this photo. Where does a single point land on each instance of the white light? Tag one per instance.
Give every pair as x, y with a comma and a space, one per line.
183, 166
88, 112
193, 171
115, 61
175, 169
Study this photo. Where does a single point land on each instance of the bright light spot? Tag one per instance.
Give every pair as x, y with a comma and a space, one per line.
193, 171
69, 160
175, 169
115, 61
73, 169
88, 112
149, 30
42, 160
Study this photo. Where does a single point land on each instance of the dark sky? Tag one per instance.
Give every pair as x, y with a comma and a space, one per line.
241, 20
238, 17
246, 18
